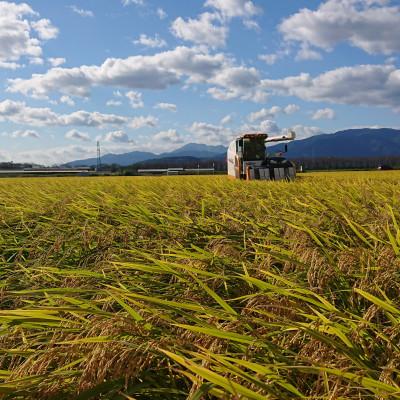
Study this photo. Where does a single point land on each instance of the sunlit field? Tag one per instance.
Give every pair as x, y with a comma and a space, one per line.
200, 287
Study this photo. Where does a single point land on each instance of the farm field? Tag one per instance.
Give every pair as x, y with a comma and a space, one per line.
200, 287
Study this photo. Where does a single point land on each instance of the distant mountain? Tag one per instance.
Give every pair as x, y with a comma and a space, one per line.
200, 151
196, 150
120, 159
350, 143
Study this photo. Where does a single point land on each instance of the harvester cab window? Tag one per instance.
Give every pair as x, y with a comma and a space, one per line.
253, 149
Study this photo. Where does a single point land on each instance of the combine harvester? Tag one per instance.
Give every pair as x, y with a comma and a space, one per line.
248, 159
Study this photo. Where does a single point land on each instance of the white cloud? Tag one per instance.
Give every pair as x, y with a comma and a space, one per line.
113, 103
267, 115
117, 136
226, 120
155, 42
169, 136
56, 61
373, 26
157, 71
141, 122
67, 100
18, 27
235, 8
324, 113
161, 13
373, 85
135, 99
25, 134
135, 2
269, 127
54, 156
306, 53
303, 132
20, 113
210, 133
237, 82
251, 25
78, 135
36, 61
391, 60
264, 113
82, 12
9, 65
270, 59
166, 106
45, 29
206, 29
291, 109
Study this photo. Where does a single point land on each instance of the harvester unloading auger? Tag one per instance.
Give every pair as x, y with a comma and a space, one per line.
248, 158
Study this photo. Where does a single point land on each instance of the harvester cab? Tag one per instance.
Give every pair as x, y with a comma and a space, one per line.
248, 158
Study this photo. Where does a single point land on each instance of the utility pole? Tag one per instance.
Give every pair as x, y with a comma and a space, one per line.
98, 166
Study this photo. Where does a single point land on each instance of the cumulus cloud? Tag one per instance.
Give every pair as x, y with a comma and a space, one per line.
56, 61
210, 133
207, 29
306, 53
117, 136
264, 113
36, 61
269, 127
77, 135
82, 12
291, 109
67, 100
19, 113
22, 33
227, 119
235, 8
303, 132
324, 113
157, 71
371, 25
45, 29
113, 103
374, 85
169, 136
238, 82
166, 106
135, 2
141, 122
251, 25
161, 13
271, 113
153, 42
270, 59
9, 65
28, 133
54, 156
135, 99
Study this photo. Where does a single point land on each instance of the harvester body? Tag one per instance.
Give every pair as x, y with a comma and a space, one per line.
247, 158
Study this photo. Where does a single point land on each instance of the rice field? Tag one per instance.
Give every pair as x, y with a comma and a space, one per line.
200, 288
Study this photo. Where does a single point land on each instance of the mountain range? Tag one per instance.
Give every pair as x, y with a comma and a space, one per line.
359, 143
201, 151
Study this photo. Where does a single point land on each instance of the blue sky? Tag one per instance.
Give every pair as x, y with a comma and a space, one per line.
153, 75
